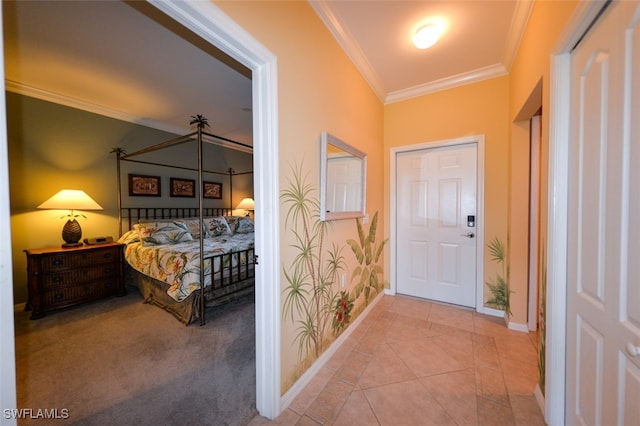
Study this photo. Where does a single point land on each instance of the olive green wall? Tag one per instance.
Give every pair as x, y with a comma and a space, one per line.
54, 147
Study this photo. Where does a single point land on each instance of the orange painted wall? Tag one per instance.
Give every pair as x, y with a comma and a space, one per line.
481, 109
319, 89
531, 65
474, 109
546, 23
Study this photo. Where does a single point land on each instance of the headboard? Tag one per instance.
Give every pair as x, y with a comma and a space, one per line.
132, 215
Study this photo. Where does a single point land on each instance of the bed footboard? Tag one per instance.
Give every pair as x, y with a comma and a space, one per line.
229, 268
232, 276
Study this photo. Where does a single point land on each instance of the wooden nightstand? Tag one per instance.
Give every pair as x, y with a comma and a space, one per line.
61, 277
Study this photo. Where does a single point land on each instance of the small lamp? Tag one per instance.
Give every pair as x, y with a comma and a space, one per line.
71, 199
246, 204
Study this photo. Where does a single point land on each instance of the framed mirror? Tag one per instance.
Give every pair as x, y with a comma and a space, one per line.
343, 179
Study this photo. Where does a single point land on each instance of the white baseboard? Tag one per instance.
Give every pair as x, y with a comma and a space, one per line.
490, 311
523, 328
306, 377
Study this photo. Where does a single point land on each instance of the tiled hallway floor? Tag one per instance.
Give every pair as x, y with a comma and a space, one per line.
413, 362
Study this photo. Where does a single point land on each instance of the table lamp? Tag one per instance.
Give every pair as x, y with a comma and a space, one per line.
246, 204
71, 199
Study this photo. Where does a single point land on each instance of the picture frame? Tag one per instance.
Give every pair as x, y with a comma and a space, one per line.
180, 187
144, 185
212, 190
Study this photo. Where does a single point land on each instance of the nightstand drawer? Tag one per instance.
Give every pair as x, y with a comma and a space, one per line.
78, 260
74, 277
63, 277
83, 293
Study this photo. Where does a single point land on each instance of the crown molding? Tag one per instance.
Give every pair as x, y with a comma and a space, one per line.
346, 40
57, 98
486, 73
516, 31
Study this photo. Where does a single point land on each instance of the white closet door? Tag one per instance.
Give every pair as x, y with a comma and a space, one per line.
603, 312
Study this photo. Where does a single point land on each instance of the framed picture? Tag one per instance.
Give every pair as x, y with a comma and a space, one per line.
142, 185
183, 187
212, 190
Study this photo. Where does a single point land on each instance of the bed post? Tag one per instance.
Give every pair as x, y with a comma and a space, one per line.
231, 171
201, 123
119, 152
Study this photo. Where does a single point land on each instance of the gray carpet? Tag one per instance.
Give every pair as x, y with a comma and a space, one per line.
121, 362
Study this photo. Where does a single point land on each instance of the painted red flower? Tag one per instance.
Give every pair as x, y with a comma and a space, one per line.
342, 312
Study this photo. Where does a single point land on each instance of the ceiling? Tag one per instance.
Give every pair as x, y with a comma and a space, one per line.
128, 61
479, 42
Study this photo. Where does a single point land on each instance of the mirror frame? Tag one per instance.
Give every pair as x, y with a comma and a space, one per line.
328, 139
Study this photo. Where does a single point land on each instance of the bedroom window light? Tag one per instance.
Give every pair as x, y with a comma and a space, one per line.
247, 204
72, 200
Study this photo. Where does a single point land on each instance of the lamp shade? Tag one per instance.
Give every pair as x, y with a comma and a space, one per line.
246, 204
70, 199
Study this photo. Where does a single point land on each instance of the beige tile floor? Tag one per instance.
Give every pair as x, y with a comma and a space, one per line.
413, 362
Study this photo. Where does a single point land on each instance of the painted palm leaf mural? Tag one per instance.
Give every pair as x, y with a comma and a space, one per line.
368, 274
313, 298
499, 286
542, 324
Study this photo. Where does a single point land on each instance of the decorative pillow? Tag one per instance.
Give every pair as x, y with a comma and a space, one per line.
233, 223
193, 225
129, 237
216, 226
155, 233
245, 225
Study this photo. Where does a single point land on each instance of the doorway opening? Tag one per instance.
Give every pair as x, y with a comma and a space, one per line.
216, 29
207, 21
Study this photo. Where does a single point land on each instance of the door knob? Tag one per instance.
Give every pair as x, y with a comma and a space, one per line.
468, 235
633, 349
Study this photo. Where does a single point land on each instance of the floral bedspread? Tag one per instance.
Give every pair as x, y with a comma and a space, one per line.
179, 264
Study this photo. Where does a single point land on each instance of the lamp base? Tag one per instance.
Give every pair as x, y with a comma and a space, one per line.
69, 245
71, 233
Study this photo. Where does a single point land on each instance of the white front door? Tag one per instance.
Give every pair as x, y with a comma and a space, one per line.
436, 230
603, 268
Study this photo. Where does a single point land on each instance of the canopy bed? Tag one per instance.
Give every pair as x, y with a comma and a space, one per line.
184, 259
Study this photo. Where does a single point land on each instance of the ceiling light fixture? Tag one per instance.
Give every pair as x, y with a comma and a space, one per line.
427, 36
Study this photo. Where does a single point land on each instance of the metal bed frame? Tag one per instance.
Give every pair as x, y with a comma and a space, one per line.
134, 214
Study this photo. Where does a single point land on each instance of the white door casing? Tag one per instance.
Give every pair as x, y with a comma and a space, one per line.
443, 203
534, 221
8, 399
603, 272
560, 77
209, 22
